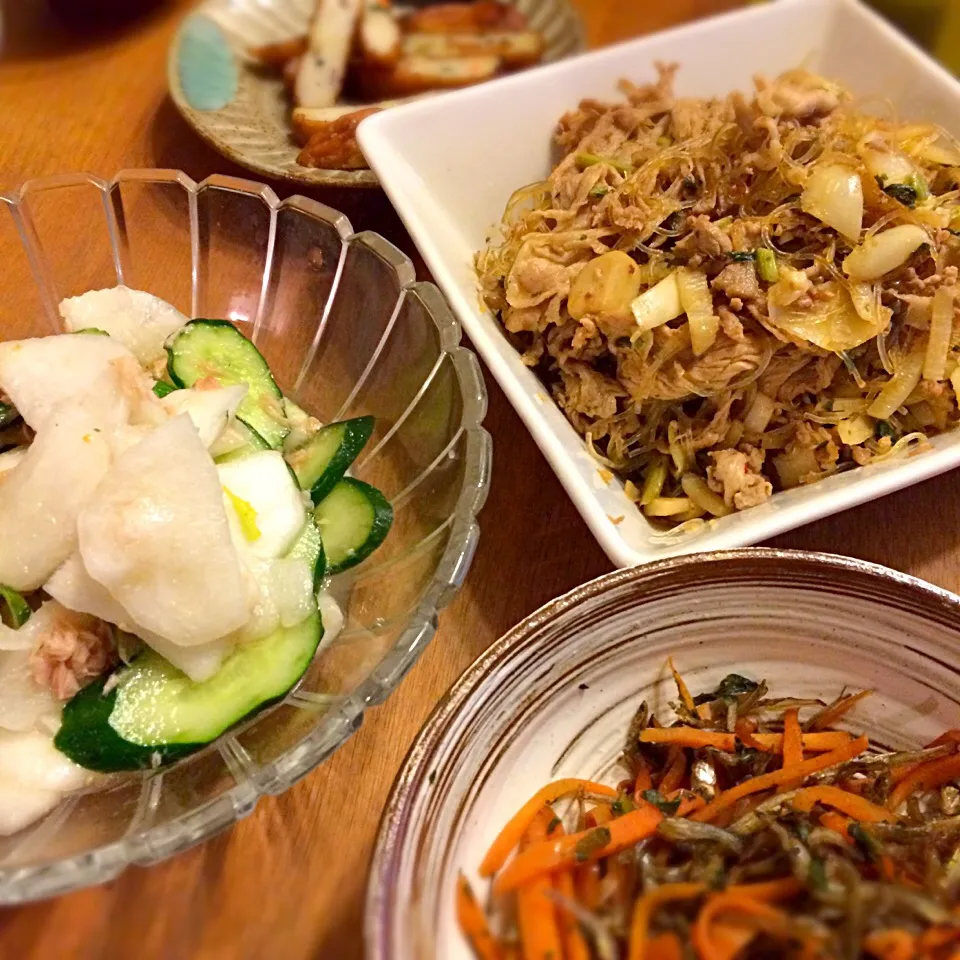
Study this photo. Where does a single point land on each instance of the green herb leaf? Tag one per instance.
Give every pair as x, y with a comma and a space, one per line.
623, 804
743, 256
161, 388
866, 843
591, 843
884, 429
17, 610
599, 190
902, 193
817, 874
667, 807
733, 685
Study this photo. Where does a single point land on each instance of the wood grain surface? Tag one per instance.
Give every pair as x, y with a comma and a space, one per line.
289, 881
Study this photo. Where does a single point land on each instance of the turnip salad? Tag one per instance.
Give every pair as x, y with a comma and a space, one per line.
169, 523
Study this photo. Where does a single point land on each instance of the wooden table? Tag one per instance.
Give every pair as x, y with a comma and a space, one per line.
288, 882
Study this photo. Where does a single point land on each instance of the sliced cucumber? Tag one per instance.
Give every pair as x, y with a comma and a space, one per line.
217, 349
161, 388
309, 548
354, 519
154, 714
324, 459
237, 441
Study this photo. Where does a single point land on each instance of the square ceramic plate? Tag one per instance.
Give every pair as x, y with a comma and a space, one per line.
450, 164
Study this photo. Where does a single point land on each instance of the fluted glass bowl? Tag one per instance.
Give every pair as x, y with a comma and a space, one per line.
347, 331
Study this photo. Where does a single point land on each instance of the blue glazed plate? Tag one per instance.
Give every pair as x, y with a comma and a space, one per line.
243, 113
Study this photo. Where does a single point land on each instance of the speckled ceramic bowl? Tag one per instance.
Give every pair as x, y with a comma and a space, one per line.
244, 113
554, 696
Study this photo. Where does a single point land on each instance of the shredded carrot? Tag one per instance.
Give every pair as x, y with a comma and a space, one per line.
587, 880
473, 923
768, 780
536, 911
838, 823
664, 946
729, 939
925, 777
675, 772
643, 780
682, 689
599, 816
891, 945
792, 747
769, 891
646, 906
697, 739
510, 835
849, 803
574, 945
830, 715
543, 858
948, 736
769, 919
744, 729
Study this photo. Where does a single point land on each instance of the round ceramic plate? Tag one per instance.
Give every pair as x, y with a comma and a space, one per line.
553, 698
244, 113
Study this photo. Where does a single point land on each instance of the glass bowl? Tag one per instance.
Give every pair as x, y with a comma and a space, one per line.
554, 696
347, 331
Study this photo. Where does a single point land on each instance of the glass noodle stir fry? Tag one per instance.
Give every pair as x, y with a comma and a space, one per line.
734, 296
750, 828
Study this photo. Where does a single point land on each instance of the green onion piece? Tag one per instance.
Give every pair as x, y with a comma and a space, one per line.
920, 187
590, 844
17, 609
584, 160
864, 841
599, 190
743, 256
666, 807
903, 193
884, 429
767, 265
161, 388
623, 804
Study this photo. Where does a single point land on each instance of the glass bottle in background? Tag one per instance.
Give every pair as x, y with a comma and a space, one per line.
934, 24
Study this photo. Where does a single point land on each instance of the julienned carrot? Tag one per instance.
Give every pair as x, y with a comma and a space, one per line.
729, 939
925, 777
536, 910
762, 915
697, 739
645, 907
510, 835
665, 946
767, 781
768, 891
551, 855
587, 882
643, 780
828, 716
891, 945
838, 823
849, 803
682, 689
574, 945
792, 746
675, 772
473, 923
948, 736
599, 815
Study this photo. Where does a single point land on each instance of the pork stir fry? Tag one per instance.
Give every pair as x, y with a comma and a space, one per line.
737, 296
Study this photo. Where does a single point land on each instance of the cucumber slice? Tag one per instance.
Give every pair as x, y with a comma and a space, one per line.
309, 548
161, 388
237, 441
354, 519
216, 348
155, 714
324, 459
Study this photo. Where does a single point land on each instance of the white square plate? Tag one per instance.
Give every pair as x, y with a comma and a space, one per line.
450, 164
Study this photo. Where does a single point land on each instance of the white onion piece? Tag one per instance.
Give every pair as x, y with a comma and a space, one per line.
30, 758
941, 330
884, 251
890, 167
697, 303
21, 805
856, 429
945, 154
898, 387
834, 195
658, 305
